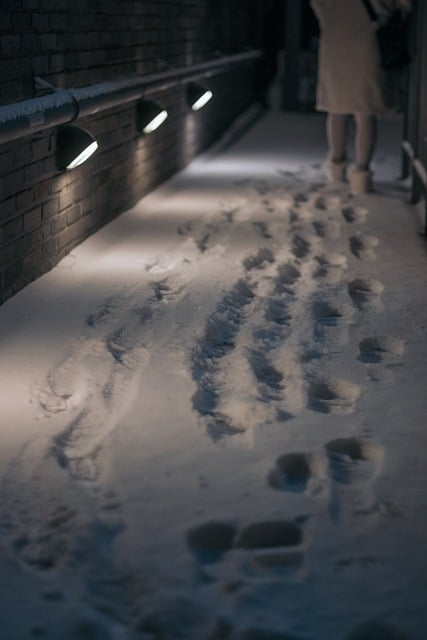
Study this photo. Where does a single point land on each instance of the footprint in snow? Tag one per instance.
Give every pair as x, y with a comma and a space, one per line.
295, 472
363, 245
118, 346
300, 214
269, 207
77, 448
185, 229
123, 343
262, 229
328, 228
330, 267
105, 311
320, 203
268, 541
220, 336
300, 198
46, 543
229, 215
337, 260
52, 402
219, 426
278, 310
300, 247
40, 519
202, 243
270, 337
354, 460
332, 312
365, 291
380, 349
211, 540
68, 382
270, 545
354, 214
163, 290
259, 260
333, 396
269, 534
287, 275
269, 379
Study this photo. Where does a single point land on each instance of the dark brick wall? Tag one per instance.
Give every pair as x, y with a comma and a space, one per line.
72, 43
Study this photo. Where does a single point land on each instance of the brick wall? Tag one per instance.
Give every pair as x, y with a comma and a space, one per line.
72, 43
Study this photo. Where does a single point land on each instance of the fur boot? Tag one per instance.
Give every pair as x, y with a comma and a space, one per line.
360, 182
336, 171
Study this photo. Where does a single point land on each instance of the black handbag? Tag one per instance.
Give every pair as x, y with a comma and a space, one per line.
391, 38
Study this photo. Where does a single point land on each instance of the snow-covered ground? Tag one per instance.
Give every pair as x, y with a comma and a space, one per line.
213, 411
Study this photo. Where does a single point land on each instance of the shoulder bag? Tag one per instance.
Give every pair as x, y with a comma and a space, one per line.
391, 38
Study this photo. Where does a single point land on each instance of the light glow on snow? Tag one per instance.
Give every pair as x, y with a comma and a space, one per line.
198, 396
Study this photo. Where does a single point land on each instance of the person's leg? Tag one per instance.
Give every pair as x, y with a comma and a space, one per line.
365, 140
336, 131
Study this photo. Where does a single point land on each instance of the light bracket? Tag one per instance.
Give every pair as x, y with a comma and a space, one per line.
74, 146
150, 116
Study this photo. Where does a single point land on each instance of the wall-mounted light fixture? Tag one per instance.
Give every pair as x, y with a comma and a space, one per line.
74, 146
198, 96
150, 116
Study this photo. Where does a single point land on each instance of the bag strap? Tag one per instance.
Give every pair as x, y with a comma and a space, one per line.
371, 11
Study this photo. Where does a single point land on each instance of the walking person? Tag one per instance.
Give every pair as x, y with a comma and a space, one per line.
351, 83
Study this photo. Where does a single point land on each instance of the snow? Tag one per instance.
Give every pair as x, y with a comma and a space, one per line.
213, 410
37, 107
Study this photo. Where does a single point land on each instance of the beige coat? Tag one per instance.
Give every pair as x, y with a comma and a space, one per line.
350, 78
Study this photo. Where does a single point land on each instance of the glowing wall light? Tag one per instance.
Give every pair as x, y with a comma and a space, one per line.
74, 146
150, 116
198, 96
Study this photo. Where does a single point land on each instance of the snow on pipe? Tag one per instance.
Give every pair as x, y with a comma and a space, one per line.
67, 105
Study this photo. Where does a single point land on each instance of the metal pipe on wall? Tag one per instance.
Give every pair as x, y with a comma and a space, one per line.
67, 105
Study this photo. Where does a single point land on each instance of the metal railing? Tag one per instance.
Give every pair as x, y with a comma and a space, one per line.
415, 128
67, 105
